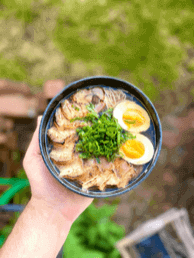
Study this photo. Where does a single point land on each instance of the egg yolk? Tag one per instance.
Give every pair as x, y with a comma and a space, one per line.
133, 149
133, 118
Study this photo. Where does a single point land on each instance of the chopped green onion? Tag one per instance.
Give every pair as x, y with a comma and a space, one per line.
130, 121
76, 108
76, 118
103, 138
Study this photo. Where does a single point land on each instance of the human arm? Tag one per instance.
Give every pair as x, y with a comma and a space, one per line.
44, 224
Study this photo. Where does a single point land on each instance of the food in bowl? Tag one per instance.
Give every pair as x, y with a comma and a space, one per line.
96, 138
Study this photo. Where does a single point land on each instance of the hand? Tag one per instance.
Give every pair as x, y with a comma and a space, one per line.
46, 190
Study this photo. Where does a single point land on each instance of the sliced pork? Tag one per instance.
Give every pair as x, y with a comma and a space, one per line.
64, 153
64, 123
59, 136
73, 110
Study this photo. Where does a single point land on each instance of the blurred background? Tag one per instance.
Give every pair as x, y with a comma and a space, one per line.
46, 44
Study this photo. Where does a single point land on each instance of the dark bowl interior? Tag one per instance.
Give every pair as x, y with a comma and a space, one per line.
154, 132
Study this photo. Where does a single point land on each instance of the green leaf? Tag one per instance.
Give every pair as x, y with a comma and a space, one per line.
73, 248
103, 244
115, 254
93, 233
103, 229
92, 236
116, 229
6, 230
2, 240
102, 212
92, 254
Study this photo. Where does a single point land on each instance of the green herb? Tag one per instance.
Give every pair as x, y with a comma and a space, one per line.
93, 113
76, 118
98, 160
130, 121
103, 138
131, 136
76, 108
90, 107
92, 116
121, 154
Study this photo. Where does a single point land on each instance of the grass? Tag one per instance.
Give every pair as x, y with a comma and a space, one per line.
143, 42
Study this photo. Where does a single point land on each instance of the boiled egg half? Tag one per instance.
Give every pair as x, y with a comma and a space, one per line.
137, 151
131, 116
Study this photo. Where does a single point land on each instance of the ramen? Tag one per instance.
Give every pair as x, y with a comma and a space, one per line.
97, 138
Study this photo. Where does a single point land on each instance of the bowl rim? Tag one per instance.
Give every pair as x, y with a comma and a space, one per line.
139, 178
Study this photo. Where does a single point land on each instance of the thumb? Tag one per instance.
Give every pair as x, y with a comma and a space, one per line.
33, 148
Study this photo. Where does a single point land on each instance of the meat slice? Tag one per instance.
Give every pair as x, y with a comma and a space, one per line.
87, 96
60, 119
113, 180
104, 164
138, 169
83, 96
99, 107
89, 167
99, 92
89, 183
64, 123
64, 153
97, 173
124, 172
59, 136
73, 169
89, 163
101, 180
117, 173
72, 138
72, 110
98, 180
85, 177
91, 171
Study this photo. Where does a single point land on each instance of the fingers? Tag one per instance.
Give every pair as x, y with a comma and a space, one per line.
33, 149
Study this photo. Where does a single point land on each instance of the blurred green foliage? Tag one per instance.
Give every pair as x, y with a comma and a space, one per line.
4, 232
21, 196
94, 234
24, 195
144, 42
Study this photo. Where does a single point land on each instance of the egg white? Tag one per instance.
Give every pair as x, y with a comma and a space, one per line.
148, 154
122, 107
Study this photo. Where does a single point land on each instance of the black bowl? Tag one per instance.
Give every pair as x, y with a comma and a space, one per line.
154, 132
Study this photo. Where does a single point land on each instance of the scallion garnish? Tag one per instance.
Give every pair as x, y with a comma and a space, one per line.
130, 121
103, 138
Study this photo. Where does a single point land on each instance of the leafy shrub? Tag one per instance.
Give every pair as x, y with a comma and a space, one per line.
93, 234
144, 42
